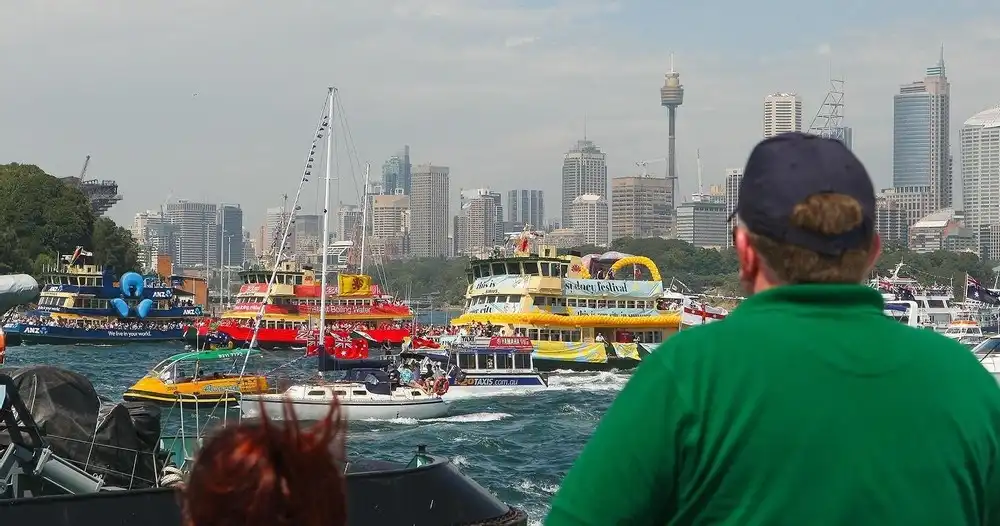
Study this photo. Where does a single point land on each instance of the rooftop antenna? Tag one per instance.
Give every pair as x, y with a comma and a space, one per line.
585, 126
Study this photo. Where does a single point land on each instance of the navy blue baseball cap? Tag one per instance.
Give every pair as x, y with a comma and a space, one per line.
784, 170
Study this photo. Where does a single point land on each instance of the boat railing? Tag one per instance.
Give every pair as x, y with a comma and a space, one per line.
103, 471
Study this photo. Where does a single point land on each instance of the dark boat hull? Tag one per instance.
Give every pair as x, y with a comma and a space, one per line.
613, 364
424, 496
45, 334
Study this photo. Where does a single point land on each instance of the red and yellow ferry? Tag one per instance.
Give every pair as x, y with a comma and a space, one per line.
291, 310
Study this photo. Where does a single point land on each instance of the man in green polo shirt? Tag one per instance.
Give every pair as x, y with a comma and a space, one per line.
806, 405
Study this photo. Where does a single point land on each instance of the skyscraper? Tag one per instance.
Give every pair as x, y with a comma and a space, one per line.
590, 219
921, 153
585, 171
429, 211
231, 235
397, 173
734, 177
479, 226
196, 235
640, 207
526, 207
980, 143
782, 114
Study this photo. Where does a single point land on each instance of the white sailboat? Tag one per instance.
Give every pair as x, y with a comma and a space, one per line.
364, 392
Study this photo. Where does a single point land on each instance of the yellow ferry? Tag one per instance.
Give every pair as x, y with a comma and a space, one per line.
571, 319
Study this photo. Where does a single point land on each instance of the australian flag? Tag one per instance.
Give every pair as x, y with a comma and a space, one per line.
975, 291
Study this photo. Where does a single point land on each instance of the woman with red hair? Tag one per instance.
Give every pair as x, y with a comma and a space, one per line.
273, 474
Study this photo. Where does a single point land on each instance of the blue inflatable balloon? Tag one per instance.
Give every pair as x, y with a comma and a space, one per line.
143, 308
120, 306
131, 285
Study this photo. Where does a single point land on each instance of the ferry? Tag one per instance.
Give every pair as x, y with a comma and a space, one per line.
82, 302
292, 307
194, 379
574, 322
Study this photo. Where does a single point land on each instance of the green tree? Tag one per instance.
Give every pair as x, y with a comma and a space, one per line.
113, 246
43, 217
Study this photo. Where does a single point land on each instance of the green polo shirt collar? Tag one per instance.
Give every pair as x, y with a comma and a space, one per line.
818, 296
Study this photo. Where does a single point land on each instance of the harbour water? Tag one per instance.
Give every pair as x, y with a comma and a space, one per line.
518, 446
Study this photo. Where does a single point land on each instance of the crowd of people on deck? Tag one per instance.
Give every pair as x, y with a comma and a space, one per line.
92, 325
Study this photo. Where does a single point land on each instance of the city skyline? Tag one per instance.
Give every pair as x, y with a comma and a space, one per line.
221, 122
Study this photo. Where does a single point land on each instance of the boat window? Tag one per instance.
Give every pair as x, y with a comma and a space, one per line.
522, 360
485, 270
466, 361
574, 336
546, 269
340, 393
936, 304
630, 304
539, 300
533, 334
564, 270
531, 268
491, 299
543, 334
416, 393
298, 280
592, 304
602, 304
498, 269
513, 268
359, 393
922, 303
505, 361
561, 301
485, 361
991, 346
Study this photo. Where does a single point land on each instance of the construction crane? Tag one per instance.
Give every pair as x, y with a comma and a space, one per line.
83, 171
644, 164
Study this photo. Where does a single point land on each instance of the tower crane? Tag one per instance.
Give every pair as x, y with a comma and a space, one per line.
644, 164
83, 171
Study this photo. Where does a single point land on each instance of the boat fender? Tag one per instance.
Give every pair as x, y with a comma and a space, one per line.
441, 386
3, 348
231, 345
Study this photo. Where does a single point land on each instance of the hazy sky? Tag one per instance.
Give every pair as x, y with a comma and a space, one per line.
497, 90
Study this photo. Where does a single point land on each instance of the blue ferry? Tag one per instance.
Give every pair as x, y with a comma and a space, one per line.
82, 302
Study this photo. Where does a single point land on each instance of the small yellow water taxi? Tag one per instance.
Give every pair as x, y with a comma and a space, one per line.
197, 378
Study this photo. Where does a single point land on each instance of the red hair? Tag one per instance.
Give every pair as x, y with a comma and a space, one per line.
262, 473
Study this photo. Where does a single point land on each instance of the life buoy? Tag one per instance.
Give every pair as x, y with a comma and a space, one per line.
441, 386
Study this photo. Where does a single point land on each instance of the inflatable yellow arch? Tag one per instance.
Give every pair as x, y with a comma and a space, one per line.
638, 260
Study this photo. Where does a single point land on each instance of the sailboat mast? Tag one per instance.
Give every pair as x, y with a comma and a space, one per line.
326, 230
364, 219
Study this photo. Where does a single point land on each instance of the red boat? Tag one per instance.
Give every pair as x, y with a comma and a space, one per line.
291, 310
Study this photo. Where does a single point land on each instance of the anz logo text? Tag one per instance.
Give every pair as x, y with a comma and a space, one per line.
33, 330
191, 312
161, 294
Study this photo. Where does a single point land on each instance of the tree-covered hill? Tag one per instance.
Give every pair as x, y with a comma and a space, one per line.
41, 217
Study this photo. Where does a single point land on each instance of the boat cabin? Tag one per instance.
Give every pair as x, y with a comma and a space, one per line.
962, 329
493, 359
199, 366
